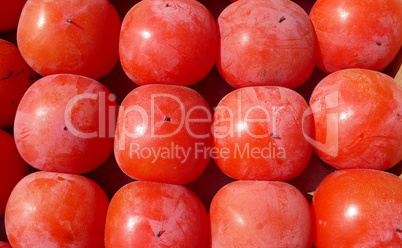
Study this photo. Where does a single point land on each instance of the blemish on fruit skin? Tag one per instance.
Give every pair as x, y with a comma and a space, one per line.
281, 19
274, 136
64, 128
69, 20
9, 75
398, 230
159, 234
167, 119
378, 43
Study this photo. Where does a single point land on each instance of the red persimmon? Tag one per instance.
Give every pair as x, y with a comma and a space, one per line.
265, 42
358, 208
259, 134
5, 244
260, 214
65, 123
149, 214
48, 209
358, 119
70, 36
163, 134
168, 42
15, 78
357, 34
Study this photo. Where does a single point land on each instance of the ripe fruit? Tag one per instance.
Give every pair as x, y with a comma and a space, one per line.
358, 208
70, 36
148, 214
49, 209
260, 214
265, 42
65, 123
163, 134
356, 34
259, 134
168, 42
357, 115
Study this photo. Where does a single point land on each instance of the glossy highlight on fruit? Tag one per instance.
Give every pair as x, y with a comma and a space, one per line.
260, 214
357, 34
163, 134
265, 42
69, 36
168, 42
358, 208
358, 121
65, 123
259, 134
48, 209
149, 214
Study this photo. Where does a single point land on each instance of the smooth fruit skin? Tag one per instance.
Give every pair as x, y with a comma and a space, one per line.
357, 34
65, 123
163, 134
357, 115
48, 209
15, 78
260, 214
168, 42
358, 208
71, 36
265, 43
10, 12
12, 167
259, 134
5, 244
149, 214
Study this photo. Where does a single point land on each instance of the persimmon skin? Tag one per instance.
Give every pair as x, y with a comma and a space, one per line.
259, 134
5, 244
73, 37
358, 208
15, 78
352, 34
357, 115
48, 209
65, 123
156, 125
265, 43
168, 42
260, 214
148, 214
